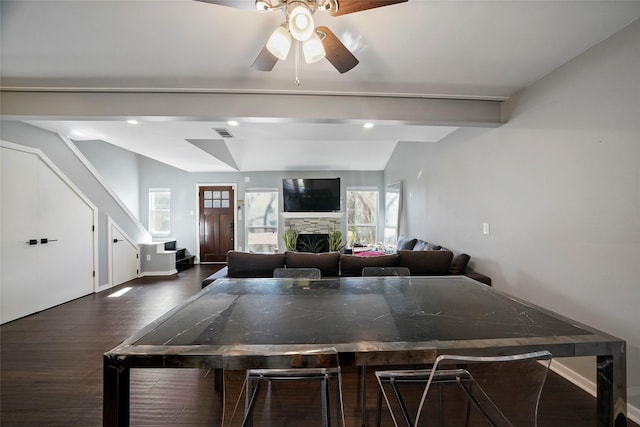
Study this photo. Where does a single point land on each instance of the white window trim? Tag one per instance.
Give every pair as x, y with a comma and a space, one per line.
376, 222
151, 212
246, 219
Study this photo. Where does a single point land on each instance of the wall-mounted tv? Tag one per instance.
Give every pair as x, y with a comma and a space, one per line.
311, 194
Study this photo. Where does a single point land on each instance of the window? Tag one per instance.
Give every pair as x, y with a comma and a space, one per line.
159, 211
391, 214
362, 217
261, 212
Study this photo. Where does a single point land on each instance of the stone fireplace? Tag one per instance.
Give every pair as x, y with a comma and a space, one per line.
315, 242
313, 226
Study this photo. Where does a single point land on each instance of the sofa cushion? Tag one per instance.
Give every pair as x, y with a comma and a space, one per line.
246, 264
459, 263
405, 243
426, 263
327, 262
352, 265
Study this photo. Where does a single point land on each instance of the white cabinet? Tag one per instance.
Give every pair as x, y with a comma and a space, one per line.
47, 235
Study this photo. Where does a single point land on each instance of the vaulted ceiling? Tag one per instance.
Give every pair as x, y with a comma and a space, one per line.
441, 51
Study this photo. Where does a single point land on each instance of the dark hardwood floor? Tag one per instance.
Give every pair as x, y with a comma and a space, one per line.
51, 367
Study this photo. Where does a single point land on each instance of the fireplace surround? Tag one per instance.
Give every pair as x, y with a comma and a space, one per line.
312, 242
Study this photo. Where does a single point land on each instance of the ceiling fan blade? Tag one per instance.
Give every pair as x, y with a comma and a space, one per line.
351, 6
336, 52
238, 4
265, 61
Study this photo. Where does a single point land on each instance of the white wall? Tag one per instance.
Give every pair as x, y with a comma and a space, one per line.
118, 168
559, 184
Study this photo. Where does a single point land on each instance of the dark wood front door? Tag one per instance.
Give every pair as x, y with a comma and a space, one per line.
216, 222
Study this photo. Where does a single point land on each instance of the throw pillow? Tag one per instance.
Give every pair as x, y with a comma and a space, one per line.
420, 245
459, 263
405, 243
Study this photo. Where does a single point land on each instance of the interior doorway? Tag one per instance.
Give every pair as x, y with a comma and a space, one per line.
123, 255
216, 221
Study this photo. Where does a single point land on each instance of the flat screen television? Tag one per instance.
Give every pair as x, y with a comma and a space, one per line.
311, 194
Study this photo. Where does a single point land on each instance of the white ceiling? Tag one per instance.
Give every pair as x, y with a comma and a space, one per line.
436, 49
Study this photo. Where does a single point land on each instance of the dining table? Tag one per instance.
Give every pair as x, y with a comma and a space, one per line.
370, 321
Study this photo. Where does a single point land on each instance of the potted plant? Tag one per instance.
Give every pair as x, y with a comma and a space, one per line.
335, 240
290, 238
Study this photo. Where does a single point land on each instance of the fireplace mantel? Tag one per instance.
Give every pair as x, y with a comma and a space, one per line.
312, 214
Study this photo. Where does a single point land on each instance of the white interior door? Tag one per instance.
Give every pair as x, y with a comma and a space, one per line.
19, 224
47, 237
66, 222
125, 261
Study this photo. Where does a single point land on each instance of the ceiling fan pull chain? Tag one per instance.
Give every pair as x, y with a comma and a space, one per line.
297, 61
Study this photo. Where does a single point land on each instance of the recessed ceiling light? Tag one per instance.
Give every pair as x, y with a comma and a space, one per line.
232, 123
133, 121
368, 125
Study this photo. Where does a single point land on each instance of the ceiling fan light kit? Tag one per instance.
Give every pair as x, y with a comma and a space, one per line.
313, 49
279, 43
317, 43
300, 21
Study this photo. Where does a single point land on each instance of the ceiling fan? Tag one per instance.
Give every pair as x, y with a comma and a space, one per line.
317, 42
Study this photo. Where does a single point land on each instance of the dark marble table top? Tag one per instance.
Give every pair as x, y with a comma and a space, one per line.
354, 315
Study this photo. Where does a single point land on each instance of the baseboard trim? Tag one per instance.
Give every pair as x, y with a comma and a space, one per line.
633, 413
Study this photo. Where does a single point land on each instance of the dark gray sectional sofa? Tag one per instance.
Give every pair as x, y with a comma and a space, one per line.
421, 257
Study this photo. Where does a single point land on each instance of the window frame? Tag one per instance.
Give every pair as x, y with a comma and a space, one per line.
247, 227
375, 221
153, 211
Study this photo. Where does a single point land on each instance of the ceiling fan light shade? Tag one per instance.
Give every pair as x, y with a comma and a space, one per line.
313, 49
279, 43
301, 23
262, 5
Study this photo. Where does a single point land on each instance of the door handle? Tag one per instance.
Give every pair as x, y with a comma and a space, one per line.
32, 242
45, 241
116, 240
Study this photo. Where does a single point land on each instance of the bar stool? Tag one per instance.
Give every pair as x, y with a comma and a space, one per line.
469, 394
262, 369
362, 372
